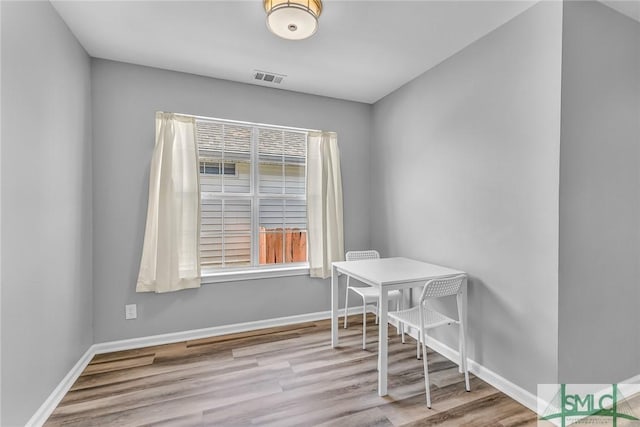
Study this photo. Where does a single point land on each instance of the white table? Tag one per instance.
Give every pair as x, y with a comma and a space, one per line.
386, 274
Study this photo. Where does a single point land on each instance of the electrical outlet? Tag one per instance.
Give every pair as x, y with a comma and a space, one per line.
130, 311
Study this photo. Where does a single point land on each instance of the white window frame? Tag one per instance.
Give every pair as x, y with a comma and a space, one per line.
221, 168
215, 275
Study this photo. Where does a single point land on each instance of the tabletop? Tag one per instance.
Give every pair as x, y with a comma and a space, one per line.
389, 271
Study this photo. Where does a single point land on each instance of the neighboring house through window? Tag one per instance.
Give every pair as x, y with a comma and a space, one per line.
253, 195
217, 168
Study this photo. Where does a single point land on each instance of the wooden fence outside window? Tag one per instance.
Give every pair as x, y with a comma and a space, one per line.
279, 246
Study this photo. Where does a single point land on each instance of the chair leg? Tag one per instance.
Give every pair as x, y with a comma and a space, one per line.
426, 372
463, 358
402, 324
398, 327
418, 347
364, 324
377, 311
463, 342
400, 307
460, 350
346, 305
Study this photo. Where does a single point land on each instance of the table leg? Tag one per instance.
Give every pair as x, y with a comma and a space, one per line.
334, 307
382, 342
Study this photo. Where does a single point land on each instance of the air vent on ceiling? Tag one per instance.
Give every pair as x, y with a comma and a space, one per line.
268, 77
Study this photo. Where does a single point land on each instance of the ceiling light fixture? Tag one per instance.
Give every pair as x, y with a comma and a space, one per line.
293, 19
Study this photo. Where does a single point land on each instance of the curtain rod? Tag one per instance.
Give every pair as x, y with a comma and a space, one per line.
247, 123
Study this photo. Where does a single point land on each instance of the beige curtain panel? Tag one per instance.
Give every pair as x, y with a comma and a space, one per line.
324, 203
170, 255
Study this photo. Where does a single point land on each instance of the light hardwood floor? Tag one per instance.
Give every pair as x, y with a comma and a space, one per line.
287, 376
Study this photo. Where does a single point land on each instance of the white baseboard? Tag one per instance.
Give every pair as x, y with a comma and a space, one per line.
49, 405
194, 334
517, 393
42, 414
45, 410
512, 390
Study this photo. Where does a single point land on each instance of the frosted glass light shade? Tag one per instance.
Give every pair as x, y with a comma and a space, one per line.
293, 19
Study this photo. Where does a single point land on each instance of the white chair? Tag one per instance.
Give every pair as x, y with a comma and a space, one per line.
424, 317
369, 295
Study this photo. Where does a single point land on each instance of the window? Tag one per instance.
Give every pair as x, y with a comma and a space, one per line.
216, 168
253, 195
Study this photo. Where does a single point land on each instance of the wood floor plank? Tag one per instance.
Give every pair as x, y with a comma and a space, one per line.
288, 376
158, 368
118, 365
188, 385
137, 352
162, 404
161, 378
190, 420
486, 411
413, 406
371, 418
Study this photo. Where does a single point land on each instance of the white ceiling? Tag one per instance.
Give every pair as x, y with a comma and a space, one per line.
362, 51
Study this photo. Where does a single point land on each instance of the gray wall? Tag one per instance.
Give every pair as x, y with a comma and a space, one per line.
46, 206
478, 137
599, 197
125, 98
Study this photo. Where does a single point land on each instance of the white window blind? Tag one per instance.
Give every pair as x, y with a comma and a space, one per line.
253, 202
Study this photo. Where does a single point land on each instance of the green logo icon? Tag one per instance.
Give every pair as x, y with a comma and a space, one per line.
574, 406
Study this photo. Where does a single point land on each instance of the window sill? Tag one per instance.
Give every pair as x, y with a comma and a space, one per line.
213, 276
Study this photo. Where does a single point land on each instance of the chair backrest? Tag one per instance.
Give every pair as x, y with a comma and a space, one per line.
358, 255
437, 288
